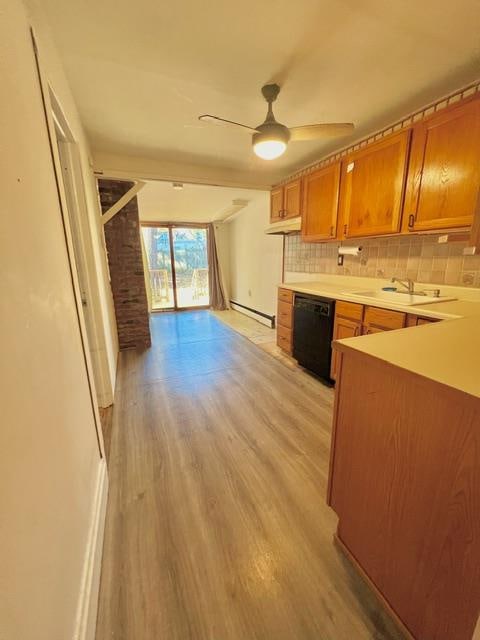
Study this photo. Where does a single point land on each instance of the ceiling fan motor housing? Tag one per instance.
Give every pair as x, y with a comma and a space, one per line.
271, 131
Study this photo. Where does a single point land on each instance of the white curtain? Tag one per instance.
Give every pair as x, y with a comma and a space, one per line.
219, 299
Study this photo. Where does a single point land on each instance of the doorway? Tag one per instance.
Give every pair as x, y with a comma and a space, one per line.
177, 258
80, 247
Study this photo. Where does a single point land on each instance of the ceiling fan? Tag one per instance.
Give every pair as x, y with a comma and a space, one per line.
270, 138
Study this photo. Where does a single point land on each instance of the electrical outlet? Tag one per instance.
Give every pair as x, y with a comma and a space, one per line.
340, 261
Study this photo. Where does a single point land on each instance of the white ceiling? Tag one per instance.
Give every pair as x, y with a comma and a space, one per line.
160, 202
141, 72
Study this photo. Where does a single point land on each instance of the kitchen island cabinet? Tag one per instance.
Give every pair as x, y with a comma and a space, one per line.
405, 482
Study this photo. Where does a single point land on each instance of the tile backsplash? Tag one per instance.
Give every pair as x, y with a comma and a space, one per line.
420, 258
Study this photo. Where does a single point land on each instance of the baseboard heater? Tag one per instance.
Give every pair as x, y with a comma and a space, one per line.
271, 319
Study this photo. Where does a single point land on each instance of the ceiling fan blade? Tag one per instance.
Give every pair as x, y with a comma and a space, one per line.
318, 131
221, 121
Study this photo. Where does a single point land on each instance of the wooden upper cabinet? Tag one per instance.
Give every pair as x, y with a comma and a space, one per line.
373, 187
320, 203
292, 199
444, 171
276, 204
285, 201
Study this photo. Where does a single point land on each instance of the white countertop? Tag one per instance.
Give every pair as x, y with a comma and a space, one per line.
448, 352
441, 310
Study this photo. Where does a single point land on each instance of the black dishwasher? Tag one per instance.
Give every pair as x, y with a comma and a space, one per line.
312, 333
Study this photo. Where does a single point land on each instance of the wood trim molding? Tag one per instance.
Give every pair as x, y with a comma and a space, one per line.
168, 225
466, 93
474, 240
88, 597
125, 199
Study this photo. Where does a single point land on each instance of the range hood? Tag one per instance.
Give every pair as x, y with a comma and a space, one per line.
285, 226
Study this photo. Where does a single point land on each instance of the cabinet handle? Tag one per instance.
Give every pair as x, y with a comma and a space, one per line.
345, 227
356, 331
411, 220
331, 231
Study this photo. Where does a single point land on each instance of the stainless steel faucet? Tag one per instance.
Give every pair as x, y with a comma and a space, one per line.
408, 284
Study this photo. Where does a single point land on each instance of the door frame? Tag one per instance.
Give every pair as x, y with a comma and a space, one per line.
50, 106
69, 174
170, 226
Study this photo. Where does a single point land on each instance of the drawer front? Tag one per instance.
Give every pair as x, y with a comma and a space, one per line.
284, 343
369, 329
285, 295
414, 321
284, 338
384, 318
285, 332
284, 316
349, 310
426, 320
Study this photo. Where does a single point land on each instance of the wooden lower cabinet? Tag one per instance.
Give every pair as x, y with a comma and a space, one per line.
285, 319
284, 338
353, 319
414, 320
348, 324
377, 319
284, 314
405, 483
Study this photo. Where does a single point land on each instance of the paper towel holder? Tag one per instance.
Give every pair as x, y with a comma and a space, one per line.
349, 251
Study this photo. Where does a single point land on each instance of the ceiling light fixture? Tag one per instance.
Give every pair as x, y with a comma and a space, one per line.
271, 138
268, 148
177, 185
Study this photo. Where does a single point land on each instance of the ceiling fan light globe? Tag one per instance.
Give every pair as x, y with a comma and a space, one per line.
269, 149
270, 141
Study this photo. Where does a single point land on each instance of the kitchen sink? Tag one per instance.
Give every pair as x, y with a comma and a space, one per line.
398, 297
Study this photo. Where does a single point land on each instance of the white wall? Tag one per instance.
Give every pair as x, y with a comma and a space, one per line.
255, 258
49, 457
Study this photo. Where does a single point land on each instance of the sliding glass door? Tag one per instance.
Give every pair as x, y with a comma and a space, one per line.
191, 266
177, 259
159, 257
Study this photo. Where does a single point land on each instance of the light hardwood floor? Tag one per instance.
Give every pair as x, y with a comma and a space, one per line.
217, 526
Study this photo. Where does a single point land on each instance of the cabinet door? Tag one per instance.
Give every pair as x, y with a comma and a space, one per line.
276, 204
342, 328
320, 204
444, 171
292, 198
373, 187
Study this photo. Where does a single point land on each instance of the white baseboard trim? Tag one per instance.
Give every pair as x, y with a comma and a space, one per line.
251, 314
88, 599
